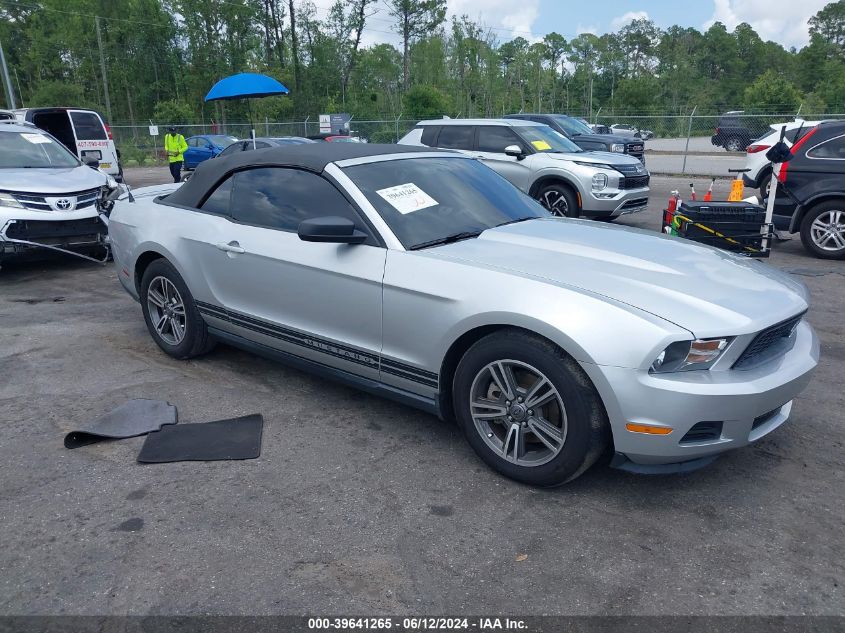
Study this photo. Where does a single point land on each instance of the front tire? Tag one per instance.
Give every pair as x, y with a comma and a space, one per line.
560, 200
823, 230
528, 409
170, 313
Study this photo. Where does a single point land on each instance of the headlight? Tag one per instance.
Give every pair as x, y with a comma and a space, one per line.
617, 147
599, 181
8, 200
689, 355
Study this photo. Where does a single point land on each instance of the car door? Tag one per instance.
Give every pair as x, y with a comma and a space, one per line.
319, 301
491, 143
203, 151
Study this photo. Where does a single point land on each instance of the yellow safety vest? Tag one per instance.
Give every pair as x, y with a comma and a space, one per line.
175, 146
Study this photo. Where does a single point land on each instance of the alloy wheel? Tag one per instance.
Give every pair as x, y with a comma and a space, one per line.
555, 202
828, 231
518, 412
167, 310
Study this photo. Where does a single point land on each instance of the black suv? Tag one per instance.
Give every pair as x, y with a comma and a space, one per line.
735, 132
815, 179
584, 137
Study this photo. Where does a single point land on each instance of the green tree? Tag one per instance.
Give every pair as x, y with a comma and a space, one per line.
415, 18
771, 93
829, 24
425, 102
172, 112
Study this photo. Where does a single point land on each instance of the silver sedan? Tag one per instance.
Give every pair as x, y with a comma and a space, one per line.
424, 276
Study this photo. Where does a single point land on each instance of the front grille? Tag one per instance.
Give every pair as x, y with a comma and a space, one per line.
38, 201
55, 232
703, 432
768, 343
634, 182
634, 203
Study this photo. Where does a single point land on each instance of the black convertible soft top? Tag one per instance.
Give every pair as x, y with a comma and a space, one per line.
313, 156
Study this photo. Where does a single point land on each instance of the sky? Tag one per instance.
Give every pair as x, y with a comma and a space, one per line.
782, 21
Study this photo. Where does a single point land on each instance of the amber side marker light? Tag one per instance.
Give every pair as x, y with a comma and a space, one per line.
648, 429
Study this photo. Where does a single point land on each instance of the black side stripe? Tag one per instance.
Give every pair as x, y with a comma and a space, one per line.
338, 350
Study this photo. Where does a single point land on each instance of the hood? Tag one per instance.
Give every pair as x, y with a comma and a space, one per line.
599, 158
62, 180
702, 289
609, 138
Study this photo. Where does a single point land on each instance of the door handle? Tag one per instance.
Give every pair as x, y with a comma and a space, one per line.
231, 247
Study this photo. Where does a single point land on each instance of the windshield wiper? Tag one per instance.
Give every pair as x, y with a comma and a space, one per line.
465, 235
530, 217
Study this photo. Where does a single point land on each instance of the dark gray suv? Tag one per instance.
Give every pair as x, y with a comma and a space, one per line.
584, 137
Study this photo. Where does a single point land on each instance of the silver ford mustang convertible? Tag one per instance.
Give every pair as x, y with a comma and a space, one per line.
424, 276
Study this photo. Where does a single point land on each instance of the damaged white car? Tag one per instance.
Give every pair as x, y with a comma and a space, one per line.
49, 200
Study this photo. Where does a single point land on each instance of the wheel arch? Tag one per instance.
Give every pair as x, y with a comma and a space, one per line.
467, 339
552, 179
801, 212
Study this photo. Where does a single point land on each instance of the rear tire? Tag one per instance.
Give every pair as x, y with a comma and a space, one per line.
765, 180
560, 200
733, 144
528, 409
171, 314
823, 230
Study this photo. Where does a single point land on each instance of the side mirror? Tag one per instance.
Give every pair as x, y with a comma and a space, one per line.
515, 151
91, 162
332, 229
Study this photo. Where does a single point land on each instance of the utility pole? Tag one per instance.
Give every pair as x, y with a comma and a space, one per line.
7, 83
103, 69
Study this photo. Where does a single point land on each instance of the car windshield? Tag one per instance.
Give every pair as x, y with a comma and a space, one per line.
222, 141
544, 139
430, 201
33, 150
573, 127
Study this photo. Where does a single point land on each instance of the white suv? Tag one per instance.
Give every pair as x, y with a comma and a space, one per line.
759, 172
49, 200
543, 163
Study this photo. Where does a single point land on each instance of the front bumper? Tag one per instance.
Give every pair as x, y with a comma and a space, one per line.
25, 238
749, 404
623, 202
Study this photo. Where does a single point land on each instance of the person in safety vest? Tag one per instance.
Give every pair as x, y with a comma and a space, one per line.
174, 147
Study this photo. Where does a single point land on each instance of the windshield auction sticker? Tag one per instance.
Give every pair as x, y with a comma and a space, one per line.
36, 138
541, 145
407, 198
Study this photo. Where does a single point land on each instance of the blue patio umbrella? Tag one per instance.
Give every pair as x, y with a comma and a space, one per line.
246, 86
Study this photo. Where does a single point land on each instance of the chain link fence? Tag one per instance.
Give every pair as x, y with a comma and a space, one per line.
699, 144
139, 148
695, 144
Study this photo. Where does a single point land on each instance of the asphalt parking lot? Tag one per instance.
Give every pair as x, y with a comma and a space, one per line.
358, 505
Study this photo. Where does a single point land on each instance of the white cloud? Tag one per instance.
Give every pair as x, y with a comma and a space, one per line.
625, 19
592, 29
782, 21
509, 19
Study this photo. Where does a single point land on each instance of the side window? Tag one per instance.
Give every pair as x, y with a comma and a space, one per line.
455, 137
495, 138
834, 148
88, 126
281, 198
192, 142
218, 201
260, 145
429, 135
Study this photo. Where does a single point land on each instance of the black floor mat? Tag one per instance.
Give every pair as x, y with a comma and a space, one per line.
238, 438
131, 419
